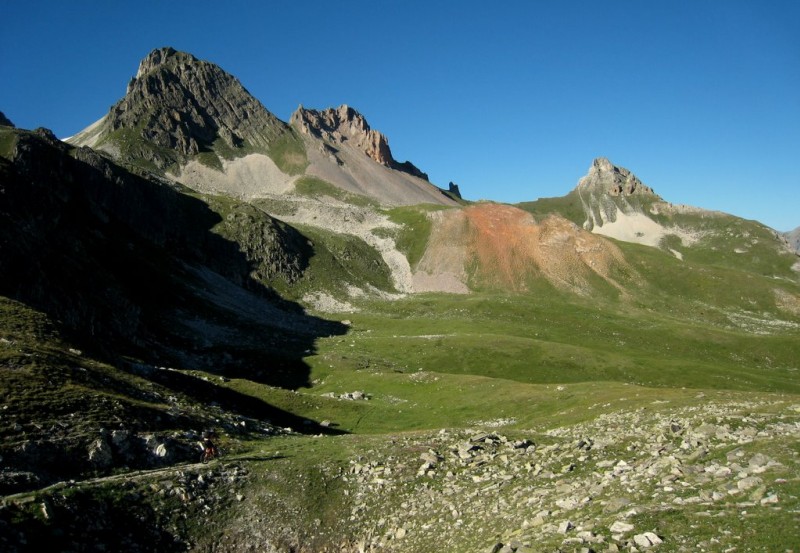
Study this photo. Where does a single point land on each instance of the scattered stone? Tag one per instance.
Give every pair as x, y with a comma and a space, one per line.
620, 527
758, 460
100, 453
770, 499
470, 478
565, 527
748, 482
646, 540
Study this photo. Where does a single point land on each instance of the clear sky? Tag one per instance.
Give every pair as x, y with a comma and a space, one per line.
511, 100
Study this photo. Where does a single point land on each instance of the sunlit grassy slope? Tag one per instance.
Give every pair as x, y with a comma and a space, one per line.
449, 360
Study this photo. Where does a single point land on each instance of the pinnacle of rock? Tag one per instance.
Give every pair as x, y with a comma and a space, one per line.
605, 177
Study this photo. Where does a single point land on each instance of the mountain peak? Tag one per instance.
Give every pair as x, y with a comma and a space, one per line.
178, 106
605, 177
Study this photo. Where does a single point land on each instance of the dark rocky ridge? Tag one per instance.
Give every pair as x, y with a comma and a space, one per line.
5, 121
182, 117
344, 125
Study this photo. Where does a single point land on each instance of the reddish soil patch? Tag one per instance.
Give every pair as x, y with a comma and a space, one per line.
508, 248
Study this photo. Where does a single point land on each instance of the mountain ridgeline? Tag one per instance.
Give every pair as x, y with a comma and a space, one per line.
181, 115
190, 261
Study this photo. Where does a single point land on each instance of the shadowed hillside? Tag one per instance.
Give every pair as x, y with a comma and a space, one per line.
129, 278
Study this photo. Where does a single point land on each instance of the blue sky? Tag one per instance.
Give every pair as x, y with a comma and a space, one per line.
511, 100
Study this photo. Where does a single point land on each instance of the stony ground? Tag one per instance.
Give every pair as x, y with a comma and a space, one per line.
661, 478
587, 487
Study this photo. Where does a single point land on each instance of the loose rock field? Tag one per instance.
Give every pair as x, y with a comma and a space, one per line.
584, 487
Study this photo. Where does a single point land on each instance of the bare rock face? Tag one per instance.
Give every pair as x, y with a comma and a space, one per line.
180, 106
605, 177
344, 125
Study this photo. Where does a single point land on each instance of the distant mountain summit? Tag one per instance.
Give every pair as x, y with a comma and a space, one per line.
612, 198
606, 178
188, 104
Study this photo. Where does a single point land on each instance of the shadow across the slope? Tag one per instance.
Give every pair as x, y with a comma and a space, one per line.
242, 404
131, 266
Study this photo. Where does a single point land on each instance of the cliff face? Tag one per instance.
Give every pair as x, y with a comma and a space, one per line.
179, 106
345, 126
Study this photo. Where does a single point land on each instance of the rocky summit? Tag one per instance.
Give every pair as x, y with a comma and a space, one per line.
382, 365
606, 178
177, 106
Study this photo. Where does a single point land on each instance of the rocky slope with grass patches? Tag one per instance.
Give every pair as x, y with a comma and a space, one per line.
625, 480
709, 473
190, 120
343, 150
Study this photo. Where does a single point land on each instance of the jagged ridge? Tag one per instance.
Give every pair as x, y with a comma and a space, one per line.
344, 125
